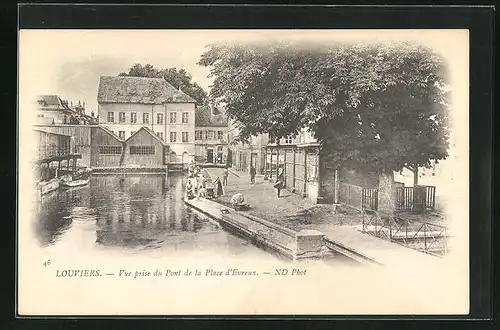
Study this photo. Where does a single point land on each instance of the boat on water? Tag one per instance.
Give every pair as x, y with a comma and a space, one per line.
49, 186
75, 183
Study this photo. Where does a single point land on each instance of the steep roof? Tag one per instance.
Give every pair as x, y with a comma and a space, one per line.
150, 131
125, 89
205, 117
110, 132
44, 121
50, 101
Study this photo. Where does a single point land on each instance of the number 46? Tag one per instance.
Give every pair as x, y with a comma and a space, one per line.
47, 263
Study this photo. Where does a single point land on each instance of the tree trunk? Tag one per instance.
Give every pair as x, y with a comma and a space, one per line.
386, 192
415, 175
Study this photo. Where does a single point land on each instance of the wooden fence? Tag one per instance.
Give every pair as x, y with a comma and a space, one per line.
430, 201
404, 198
358, 197
415, 198
370, 198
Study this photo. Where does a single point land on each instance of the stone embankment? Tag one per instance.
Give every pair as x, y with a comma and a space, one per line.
289, 243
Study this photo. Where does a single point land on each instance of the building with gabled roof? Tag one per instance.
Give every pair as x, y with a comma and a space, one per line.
145, 149
211, 144
52, 106
126, 104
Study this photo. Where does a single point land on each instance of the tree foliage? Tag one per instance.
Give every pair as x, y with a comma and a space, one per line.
379, 105
179, 78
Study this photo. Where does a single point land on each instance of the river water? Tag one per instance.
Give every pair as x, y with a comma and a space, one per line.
133, 214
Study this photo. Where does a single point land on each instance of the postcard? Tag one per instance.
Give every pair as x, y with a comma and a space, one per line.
243, 172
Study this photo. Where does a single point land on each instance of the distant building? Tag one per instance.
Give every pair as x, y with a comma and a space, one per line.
211, 127
243, 155
126, 104
52, 109
79, 117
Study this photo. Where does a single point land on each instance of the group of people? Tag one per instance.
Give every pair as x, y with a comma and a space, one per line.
197, 183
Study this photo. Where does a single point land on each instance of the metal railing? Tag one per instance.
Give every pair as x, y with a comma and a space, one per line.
52, 151
419, 235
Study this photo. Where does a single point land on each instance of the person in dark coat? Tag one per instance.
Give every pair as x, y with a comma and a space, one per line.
279, 183
225, 175
253, 172
218, 188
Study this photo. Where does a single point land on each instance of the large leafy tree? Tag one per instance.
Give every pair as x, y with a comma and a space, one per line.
178, 78
377, 105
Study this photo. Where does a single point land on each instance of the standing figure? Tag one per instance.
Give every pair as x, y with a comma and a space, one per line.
252, 174
218, 187
224, 176
190, 189
279, 183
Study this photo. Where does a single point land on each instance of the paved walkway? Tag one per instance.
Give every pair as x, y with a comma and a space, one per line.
294, 212
262, 198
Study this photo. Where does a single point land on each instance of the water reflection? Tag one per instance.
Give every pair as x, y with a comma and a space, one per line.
130, 211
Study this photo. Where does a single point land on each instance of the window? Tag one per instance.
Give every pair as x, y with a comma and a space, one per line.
159, 119
184, 117
198, 135
145, 118
111, 117
160, 135
40, 115
142, 150
110, 150
132, 133
185, 137
121, 134
173, 117
209, 135
220, 135
219, 149
173, 136
121, 117
289, 140
133, 117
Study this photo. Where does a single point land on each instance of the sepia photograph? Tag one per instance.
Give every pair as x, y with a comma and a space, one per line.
243, 172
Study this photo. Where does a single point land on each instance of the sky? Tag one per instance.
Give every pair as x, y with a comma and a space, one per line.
69, 62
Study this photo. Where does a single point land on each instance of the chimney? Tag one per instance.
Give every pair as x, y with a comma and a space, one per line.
71, 104
79, 104
84, 104
92, 114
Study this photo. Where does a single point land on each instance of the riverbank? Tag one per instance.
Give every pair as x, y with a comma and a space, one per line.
291, 210
341, 226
